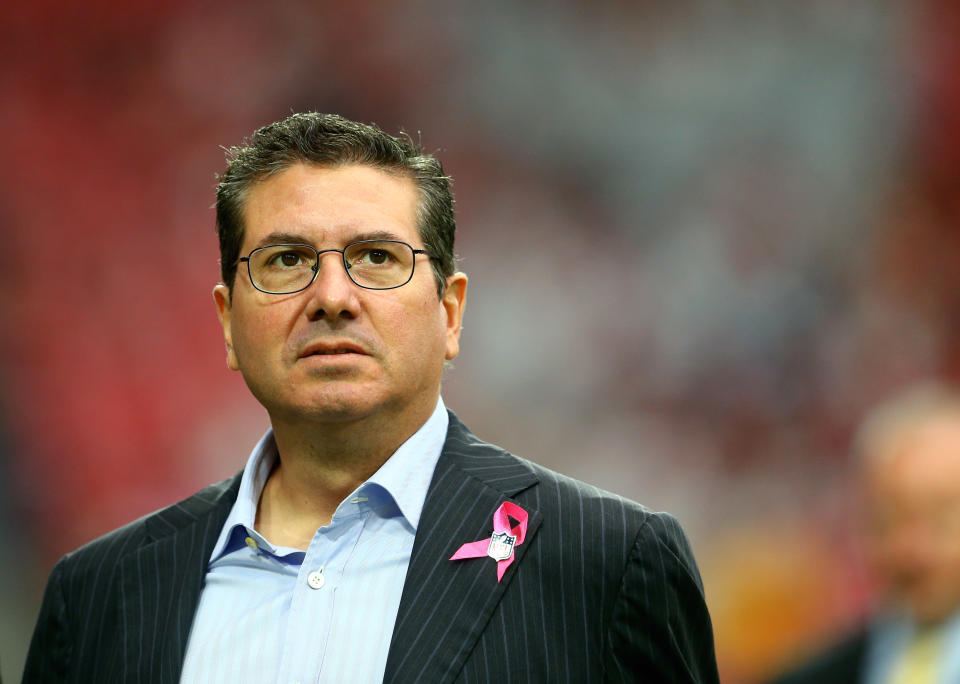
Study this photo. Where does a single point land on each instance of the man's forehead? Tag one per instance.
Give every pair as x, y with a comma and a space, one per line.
923, 457
319, 203
302, 183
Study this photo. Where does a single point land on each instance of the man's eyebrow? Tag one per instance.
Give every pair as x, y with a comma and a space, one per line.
280, 237
376, 235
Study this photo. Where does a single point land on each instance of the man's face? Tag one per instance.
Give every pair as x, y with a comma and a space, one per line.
913, 497
336, 352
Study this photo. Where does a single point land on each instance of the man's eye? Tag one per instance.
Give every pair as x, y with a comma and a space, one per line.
375, 257
286, 259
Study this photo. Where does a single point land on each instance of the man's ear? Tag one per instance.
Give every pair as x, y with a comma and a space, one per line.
221, 295
454, 301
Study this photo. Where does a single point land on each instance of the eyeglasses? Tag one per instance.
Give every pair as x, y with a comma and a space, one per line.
371, 264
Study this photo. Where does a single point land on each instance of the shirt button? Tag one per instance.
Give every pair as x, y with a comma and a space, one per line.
315, 579
251, 542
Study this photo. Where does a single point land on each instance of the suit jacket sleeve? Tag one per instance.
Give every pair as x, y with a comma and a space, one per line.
660, 626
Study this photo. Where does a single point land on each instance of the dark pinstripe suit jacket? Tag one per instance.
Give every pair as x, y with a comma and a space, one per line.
601, 590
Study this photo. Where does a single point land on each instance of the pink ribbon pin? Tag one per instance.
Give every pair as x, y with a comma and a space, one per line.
500, 545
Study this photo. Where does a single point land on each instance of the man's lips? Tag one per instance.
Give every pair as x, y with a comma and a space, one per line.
331, 348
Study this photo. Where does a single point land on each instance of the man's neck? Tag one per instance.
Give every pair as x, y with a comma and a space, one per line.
319, 466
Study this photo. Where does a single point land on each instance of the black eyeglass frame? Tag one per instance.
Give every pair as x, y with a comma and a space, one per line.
343, 259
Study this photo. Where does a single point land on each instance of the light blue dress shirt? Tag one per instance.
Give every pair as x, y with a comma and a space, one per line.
276, 614
891, 635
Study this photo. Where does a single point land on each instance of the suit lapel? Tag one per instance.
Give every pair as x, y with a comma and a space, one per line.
161, 582
446, 604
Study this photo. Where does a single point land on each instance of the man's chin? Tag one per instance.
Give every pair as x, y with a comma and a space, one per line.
339, 413
335, 403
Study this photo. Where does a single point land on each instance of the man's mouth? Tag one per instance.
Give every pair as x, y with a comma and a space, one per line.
331, 348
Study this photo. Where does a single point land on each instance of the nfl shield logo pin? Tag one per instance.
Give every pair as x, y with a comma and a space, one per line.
501, 546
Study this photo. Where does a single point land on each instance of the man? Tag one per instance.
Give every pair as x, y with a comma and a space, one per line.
908, 452
371, 536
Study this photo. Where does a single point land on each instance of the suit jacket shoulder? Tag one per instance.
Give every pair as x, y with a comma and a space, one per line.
601, 589
119, 608
628, 555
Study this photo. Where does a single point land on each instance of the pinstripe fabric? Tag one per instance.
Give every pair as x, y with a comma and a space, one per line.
601, 590
119, 609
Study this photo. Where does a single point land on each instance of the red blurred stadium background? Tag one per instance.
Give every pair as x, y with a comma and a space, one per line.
702, 238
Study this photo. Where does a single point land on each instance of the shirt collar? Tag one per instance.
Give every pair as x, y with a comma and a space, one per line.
405, 476
890, 634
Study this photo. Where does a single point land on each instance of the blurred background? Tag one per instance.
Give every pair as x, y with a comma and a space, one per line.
703, 238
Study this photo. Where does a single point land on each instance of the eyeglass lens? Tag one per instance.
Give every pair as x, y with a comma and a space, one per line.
379, 265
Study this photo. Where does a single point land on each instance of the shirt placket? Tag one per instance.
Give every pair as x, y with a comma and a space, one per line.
313, 600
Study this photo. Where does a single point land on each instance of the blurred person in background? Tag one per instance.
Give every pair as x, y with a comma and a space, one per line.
908, 460
371, 536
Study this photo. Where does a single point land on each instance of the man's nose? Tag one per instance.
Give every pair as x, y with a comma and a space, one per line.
332, 294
